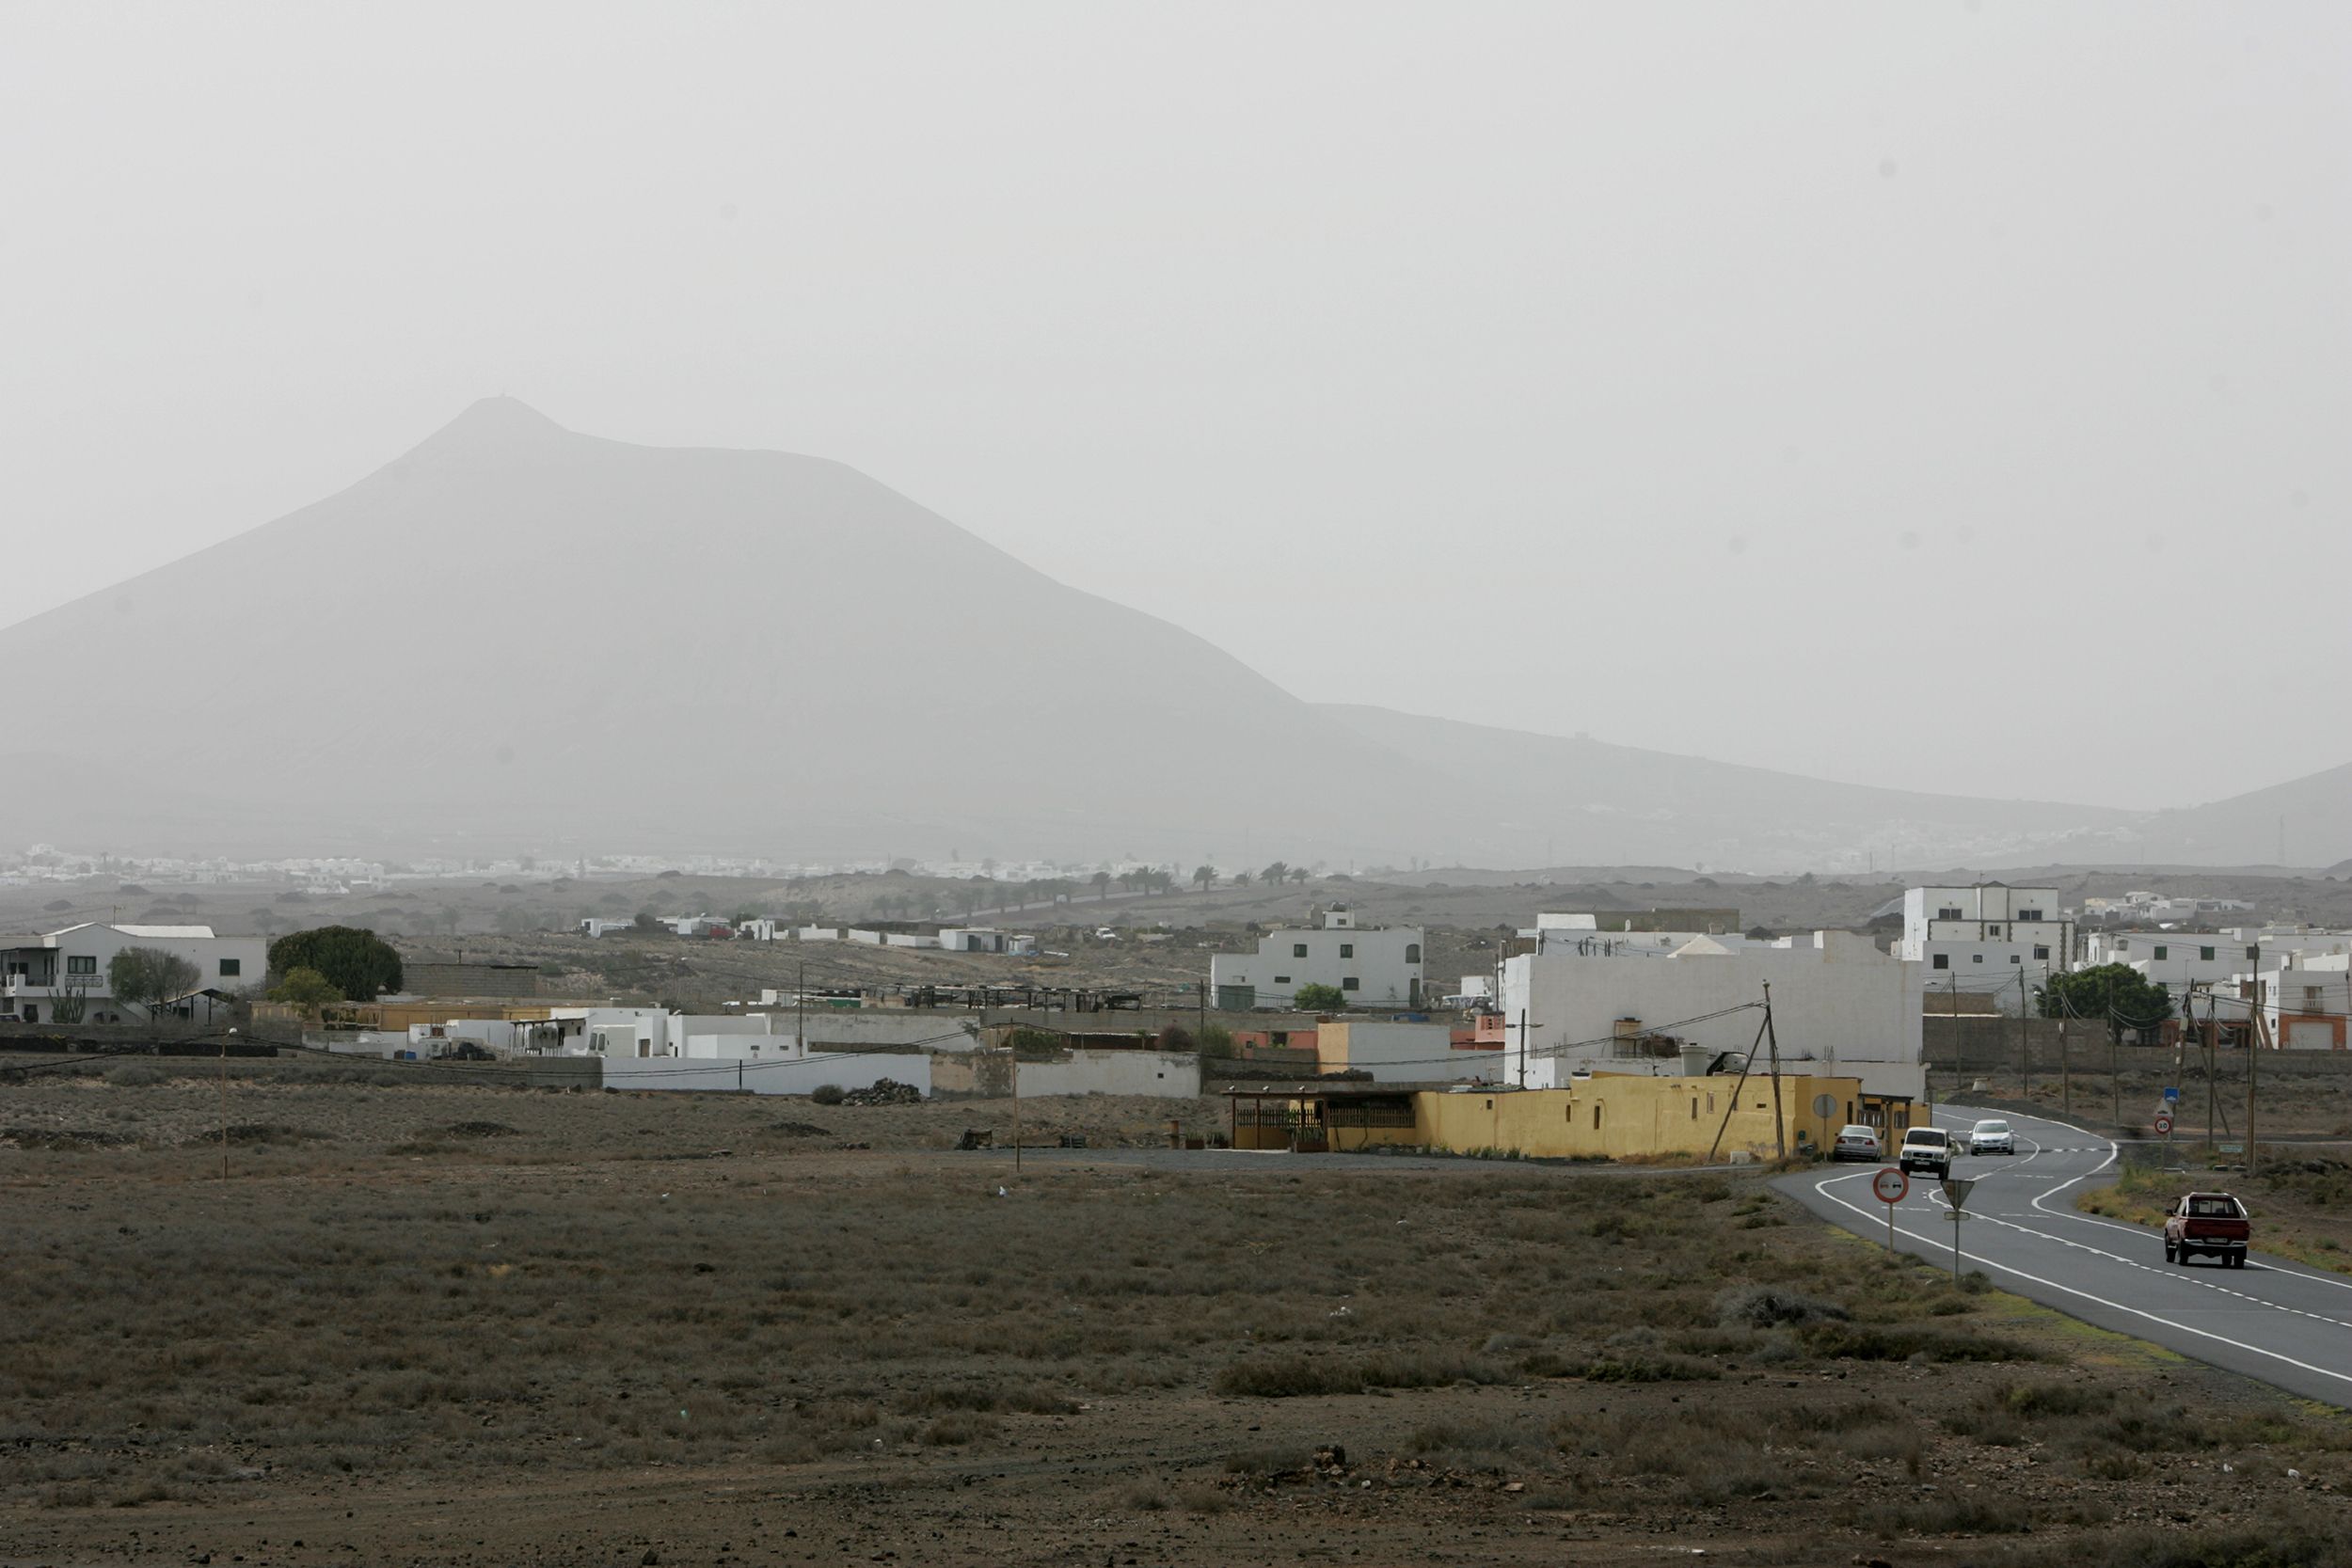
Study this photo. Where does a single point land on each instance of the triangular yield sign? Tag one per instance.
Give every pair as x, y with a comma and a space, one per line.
1956, 1190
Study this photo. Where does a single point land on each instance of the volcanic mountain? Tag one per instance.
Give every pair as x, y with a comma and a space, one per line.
517, 637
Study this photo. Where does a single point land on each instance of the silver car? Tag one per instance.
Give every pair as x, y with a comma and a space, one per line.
1991, 1137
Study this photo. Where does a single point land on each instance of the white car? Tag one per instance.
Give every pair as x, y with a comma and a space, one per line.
1991, 1137
1858, 1142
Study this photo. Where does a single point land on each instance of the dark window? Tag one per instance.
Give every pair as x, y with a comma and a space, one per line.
1412, 951
81, 963
2164, 953
230, 968
2253, 952
1940, 960
1947, 914
1347, 982
2205, 952
1347, 950
2015, 959
1298, 950
1976, 957
1992, 930
1281, 979
2041, 952
2029, 914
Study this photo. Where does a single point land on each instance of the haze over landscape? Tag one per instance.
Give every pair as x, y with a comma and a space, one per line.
1916, 399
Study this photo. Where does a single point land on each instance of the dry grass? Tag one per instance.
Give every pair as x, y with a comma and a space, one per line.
529, 1306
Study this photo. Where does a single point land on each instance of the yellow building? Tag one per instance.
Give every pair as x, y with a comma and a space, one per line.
1609, 1115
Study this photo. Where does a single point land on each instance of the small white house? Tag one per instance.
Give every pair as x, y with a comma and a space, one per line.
1371, 966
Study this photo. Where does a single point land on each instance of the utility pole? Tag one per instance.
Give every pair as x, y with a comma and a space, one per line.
2024, 1043
1772, 1039
2255, 1041
800, 1002
223, 1104
1522, 1048
2066, 1064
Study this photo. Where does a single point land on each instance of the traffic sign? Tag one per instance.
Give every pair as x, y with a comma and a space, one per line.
2163, 1123
2172, 1096
1956, 1191
1890, 1185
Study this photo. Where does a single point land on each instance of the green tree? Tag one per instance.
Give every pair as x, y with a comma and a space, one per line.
1102, 881
1204, 876
2116, 994
149, 977
360, 965
1320, 999
1299, 875
643, 920
306, 988
1276, 874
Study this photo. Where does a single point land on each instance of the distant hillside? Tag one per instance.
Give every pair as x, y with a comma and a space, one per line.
1598, 804
2305, 821
516, 636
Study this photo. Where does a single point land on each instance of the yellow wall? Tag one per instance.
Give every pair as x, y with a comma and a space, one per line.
1620, 1117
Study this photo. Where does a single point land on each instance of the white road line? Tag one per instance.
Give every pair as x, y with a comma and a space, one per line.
2345, 1378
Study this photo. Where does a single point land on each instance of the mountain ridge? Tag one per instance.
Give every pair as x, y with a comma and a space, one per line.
515, 629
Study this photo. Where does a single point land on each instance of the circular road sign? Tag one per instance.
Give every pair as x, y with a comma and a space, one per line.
1890, 1185
1824, 1105
2164, 1124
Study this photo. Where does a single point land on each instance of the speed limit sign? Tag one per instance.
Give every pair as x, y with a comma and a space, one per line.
2164, 1124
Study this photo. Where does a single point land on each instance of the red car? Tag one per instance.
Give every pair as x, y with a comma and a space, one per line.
2215, 1224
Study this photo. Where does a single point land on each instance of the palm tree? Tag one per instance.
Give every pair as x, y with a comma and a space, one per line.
1299, 875
1274, 875
1102, 881
1205, 876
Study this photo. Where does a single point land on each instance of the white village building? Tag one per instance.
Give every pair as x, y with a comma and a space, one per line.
1982, 939
1373, 966
1840, 1007
69, 967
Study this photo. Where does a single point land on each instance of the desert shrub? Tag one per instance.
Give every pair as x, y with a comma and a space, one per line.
957, 1428
826, 1094
1278, 1377
1838, 1341
134, 1075
1770, 1305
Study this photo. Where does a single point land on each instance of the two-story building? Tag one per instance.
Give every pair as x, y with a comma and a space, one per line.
1371, 966
66, 970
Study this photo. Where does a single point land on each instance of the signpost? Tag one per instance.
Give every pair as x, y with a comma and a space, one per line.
2163, 1126
1890, 1186
1956, 1194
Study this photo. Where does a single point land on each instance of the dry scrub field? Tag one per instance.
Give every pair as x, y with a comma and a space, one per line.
488, 1327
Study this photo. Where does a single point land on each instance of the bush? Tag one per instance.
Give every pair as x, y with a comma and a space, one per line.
1320, 999
826, 1094
134, 1075
1771, 1305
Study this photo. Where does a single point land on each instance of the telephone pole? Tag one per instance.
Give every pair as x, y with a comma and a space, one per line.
1772, 1039
2255, 1039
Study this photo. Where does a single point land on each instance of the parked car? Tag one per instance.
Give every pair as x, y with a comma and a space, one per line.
1991, 1137
1858, 1142
2215, 1224
1928, 1148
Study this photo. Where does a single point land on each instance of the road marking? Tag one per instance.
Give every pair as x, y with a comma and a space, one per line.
1935, 1245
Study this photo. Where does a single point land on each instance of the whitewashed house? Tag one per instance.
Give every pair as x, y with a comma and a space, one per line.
1840, 1007
1371, 966
1981, 940
37, 974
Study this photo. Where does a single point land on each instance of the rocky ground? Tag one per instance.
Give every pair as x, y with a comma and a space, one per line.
483, 1325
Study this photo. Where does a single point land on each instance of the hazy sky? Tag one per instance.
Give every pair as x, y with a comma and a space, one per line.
1950, 396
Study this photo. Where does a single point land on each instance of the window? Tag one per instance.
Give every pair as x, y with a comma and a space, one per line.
1348, 982
2205, 953
2253, 952
1596, 1116
1942, 960
231, 968
81, 963
2029, 914
1298, 950
2041, 952
2016, 959
1947, 913
1412, 951
2310, 999
2163, 952
1993, 931
1347, 950
1977, 957
1281, 979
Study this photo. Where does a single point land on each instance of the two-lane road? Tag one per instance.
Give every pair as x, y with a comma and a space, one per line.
2274, 1319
